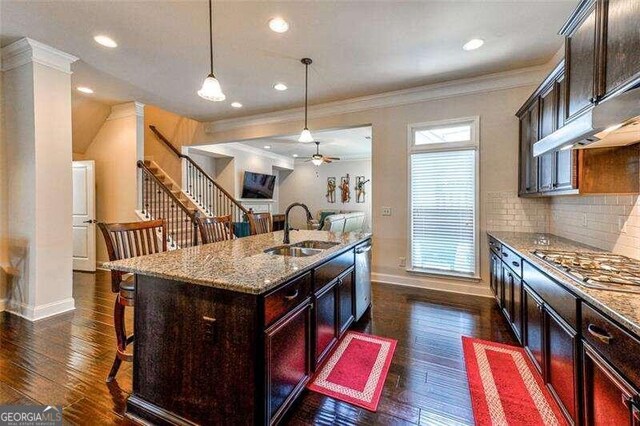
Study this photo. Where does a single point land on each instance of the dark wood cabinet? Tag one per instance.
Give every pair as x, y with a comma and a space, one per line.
345, 301
580, 59
495, 275
507, 292
287, 359
528, 136
560, 356
609, 398
512, 305
620, 61
326, 331
533, 327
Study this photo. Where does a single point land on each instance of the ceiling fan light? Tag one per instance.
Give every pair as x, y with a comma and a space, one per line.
211, 89
316, 161
305, 136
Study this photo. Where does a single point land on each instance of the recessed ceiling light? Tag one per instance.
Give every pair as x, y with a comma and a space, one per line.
236, 104
85, 90
278, 25
473, 44
267, 147
105, 41
280, 87
295, 155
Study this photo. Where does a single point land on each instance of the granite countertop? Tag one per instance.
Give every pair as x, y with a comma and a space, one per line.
622, 307
238, 265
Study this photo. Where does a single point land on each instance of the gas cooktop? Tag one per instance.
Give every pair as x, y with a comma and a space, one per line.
601, 270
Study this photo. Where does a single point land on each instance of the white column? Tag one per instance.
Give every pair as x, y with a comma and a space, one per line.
37, 136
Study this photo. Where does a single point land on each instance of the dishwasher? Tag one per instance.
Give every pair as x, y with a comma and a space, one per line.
363, 278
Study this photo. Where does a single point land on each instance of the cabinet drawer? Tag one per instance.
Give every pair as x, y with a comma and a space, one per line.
330, 270
494, 245
556, 297
512, 259
283, 299
620, 348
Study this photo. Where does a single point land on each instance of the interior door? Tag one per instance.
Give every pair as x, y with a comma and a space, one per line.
84, 213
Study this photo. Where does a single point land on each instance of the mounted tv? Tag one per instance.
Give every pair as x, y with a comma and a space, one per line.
258, 185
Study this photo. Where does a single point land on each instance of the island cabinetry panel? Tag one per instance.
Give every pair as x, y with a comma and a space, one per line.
346, 305
326, 323
330, 270
287, 360
279, 302
189, 340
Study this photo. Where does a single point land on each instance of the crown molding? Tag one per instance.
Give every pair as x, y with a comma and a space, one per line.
26, 50
129, 109
483, 84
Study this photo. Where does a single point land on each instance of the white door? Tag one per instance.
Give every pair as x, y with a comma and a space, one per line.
84, 214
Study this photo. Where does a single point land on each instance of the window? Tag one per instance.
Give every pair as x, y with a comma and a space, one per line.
443, 198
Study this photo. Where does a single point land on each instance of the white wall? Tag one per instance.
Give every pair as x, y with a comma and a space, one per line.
308, 184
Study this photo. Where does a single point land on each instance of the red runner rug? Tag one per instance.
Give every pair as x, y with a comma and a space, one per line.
505, 388
355, 372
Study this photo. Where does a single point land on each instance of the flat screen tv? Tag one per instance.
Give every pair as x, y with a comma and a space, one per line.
258, 185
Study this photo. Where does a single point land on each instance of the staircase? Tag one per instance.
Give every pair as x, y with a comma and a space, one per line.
162, 198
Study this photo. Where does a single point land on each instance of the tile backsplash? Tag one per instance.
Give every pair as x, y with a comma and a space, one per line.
609, 222
505, 211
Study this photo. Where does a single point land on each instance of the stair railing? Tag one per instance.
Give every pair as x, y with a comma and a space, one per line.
202, 189
158, 202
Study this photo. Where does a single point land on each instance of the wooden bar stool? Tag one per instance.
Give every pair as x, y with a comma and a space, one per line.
214, 229
125, 240
260, 223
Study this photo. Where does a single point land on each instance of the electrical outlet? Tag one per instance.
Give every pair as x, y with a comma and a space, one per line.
402, 262
386, 211
622, 225
584, 220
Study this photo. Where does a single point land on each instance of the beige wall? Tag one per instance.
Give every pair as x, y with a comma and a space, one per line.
498, 161
87, 117
180, 131
115, 152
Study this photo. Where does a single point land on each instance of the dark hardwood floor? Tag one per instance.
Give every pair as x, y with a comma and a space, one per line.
64, 360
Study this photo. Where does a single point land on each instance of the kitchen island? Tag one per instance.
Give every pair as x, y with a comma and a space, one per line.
227, 333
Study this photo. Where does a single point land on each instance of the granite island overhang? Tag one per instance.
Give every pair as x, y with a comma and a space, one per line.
225, 332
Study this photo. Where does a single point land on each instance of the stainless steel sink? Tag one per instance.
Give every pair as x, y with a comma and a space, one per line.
321, 245
292, 251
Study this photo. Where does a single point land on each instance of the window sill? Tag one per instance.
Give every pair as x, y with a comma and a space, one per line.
444, 275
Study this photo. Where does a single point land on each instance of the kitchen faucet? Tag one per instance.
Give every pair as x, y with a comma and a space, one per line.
286, 219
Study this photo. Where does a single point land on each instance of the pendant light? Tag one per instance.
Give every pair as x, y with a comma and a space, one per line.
211, 89
305, 136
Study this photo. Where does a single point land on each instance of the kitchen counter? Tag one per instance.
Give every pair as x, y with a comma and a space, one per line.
238, 265
623, 307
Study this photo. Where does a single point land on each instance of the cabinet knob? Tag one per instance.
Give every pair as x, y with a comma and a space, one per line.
516, 264
505, 254
599, 334
209, 323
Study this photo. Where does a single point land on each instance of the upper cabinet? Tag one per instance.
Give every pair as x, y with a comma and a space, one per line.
602, 59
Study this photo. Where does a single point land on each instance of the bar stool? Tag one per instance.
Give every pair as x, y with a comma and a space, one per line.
125, 240
260, 223
214, 229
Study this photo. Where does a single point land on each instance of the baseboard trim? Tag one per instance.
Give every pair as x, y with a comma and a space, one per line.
36, 313
450, 286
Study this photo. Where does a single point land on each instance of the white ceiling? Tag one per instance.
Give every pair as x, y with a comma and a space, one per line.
347, 144
358, 47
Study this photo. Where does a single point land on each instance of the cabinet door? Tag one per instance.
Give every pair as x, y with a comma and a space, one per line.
533, 332
533, 161
561, 347
507, 301
325, 321
345, 298
548, 118
607, 396
528, 163
516, 319
495, 273
622, 38
287, 360
580, 60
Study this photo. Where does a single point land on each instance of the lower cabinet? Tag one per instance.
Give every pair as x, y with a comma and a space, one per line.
533, 327
345, 301
287, 359
496, 277
609, 399
325, 321
512, 306
561, 357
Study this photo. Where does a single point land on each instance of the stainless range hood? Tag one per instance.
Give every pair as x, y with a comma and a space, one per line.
615, 122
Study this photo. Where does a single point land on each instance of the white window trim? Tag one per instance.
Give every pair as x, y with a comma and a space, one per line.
474, 145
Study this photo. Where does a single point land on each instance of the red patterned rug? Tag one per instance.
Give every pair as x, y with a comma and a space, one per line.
505, 388
355, 372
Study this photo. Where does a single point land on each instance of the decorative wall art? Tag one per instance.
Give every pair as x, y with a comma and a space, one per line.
344, 187
360, 191
331, 190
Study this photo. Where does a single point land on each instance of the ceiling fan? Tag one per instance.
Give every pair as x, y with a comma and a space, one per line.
318, 159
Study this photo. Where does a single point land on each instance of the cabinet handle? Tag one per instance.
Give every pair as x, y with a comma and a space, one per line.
516, 264
209, 322
599, 334
293, 295
505, 254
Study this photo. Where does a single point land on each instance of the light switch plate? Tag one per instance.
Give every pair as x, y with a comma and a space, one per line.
386, 211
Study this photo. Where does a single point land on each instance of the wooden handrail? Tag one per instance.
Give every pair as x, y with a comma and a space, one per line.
192, 215
164, 140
